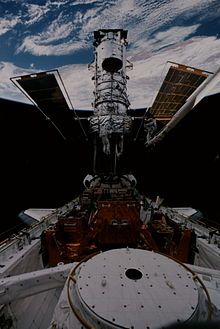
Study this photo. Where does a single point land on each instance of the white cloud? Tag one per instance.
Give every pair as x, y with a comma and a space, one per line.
141, 19
169, 37
7, 24
115, 15
149, 71
37, 46
43, 43
173, 35
57, 3
56, 31
62, 36
35, 13
77, 80
145, 79
79, 85
7, 88
84, 2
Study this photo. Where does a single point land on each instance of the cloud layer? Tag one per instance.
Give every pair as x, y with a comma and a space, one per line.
145, 78
53, 27
158, 31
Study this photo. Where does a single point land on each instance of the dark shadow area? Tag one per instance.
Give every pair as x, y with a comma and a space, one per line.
196, 325
40, 169
184, 168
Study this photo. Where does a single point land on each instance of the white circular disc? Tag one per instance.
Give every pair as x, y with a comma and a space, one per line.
135, 288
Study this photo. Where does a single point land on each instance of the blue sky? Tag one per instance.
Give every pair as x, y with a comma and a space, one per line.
40, 35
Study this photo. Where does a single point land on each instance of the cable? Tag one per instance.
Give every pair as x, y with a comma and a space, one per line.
195, 277
71, 277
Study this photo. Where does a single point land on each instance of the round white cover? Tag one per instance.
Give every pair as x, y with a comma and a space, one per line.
135, 288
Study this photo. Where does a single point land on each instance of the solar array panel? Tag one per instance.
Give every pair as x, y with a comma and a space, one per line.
180, 82
47, 91
43, 89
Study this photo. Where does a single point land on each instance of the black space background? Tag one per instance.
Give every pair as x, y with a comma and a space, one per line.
39, 169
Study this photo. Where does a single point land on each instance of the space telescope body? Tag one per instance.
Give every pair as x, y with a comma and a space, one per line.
110, 121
